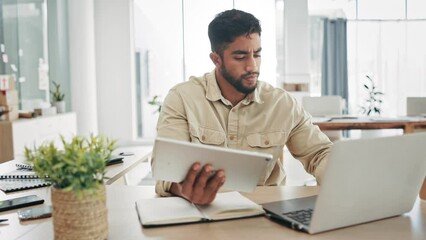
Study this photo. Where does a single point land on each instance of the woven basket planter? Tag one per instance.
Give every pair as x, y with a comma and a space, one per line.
84, 217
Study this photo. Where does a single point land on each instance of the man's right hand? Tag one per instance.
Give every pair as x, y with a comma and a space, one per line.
200, 185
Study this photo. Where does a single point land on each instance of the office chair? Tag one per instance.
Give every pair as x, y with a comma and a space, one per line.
416, 106
324, 106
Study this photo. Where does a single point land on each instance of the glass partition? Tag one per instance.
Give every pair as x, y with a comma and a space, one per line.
23, 28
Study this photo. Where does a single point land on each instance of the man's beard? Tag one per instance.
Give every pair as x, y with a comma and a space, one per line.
238, 83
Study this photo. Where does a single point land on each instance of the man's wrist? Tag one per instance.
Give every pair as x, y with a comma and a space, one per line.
176, 189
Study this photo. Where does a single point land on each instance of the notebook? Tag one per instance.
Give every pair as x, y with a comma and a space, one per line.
154, 212
21, 180
365, 180
24, 166
13, 184
243, 169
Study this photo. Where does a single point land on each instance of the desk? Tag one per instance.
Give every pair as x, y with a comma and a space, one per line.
141, 154
124, 222
408, 124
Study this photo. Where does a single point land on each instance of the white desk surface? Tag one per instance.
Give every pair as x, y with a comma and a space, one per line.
124, 222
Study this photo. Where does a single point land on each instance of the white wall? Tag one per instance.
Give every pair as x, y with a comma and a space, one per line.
296, 39
297, 45
115, 69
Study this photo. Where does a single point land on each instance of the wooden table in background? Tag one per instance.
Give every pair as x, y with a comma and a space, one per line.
408, 125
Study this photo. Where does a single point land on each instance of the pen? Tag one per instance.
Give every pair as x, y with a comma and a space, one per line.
125, 154
4, 220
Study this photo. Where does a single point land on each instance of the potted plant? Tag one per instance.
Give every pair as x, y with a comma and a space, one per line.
76, 172
58, 97
373, 101
372, 106
156, 102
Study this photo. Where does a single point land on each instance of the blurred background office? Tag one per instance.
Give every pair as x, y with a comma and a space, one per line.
112, 57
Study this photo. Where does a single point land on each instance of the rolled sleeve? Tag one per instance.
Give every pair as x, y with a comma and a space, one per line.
162, 188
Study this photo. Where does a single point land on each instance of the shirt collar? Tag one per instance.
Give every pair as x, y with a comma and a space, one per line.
213, 92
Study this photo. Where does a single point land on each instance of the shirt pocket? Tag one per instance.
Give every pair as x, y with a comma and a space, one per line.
270, 142
207, 136
266, 140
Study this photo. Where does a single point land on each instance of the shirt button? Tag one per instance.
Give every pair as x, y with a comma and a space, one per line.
267, 142
203, 138
233, 110
231, 137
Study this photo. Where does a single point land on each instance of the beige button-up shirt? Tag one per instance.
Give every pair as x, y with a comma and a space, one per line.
264, 121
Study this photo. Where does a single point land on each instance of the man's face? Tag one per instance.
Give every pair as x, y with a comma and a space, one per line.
241, 62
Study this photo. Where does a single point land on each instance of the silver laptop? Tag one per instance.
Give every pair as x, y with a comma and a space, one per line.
365, 180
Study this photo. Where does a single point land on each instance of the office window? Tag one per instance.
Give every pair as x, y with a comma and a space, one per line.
385, 46
381, 9
158, 56
416, 9
323, 7
393, 54
389, 49
197, 16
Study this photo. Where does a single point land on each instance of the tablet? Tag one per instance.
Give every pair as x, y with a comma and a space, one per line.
243, 169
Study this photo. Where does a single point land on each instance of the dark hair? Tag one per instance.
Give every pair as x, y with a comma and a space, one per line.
230, 24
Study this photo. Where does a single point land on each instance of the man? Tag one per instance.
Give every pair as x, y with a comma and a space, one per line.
229, 107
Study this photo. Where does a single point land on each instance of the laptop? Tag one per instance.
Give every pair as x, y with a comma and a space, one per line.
365, 180
243, 169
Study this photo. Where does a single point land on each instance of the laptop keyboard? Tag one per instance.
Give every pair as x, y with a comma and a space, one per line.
302, 216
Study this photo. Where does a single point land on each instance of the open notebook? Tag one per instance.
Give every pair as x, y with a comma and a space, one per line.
175, 210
